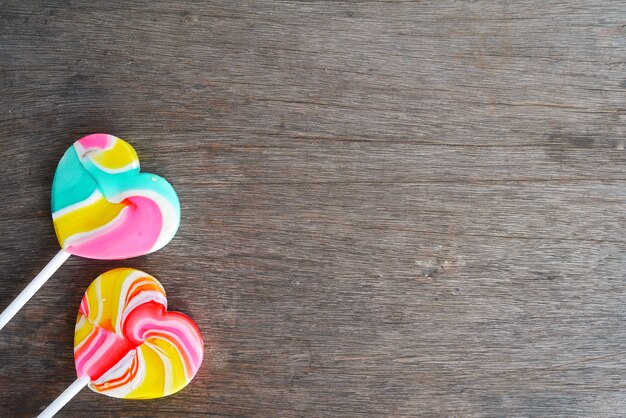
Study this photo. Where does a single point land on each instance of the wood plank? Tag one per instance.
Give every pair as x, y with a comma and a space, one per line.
389, 208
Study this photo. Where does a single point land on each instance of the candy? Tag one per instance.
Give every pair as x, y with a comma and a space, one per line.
104, 208
128, 344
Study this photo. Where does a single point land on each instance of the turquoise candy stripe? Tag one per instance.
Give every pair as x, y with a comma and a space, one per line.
157, 184
113, 184
72, 183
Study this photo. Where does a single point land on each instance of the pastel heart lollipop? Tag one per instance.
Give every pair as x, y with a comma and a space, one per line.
126, 343
103, 207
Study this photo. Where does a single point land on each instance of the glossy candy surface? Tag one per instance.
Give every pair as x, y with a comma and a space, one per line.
127, 342
104, 208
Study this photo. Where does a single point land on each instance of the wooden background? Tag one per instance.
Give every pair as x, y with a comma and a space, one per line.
389, 208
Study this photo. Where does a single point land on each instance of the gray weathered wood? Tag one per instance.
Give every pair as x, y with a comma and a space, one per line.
389, 208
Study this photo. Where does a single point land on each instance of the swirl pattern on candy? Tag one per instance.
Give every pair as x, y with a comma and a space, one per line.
104, 208
127, 342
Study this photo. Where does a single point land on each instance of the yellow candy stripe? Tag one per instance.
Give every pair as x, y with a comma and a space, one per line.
120, 157
83, 330
153, 383
86, 216
167, 370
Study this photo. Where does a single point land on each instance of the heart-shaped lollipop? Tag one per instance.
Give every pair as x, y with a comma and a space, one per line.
126, 343
104, 208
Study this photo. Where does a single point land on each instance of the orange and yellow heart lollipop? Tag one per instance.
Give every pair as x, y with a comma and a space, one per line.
126, 343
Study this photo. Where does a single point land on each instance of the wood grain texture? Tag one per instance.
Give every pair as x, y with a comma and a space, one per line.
389, 208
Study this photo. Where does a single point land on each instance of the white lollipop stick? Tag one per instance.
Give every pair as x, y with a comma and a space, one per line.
33, 287
65, 397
